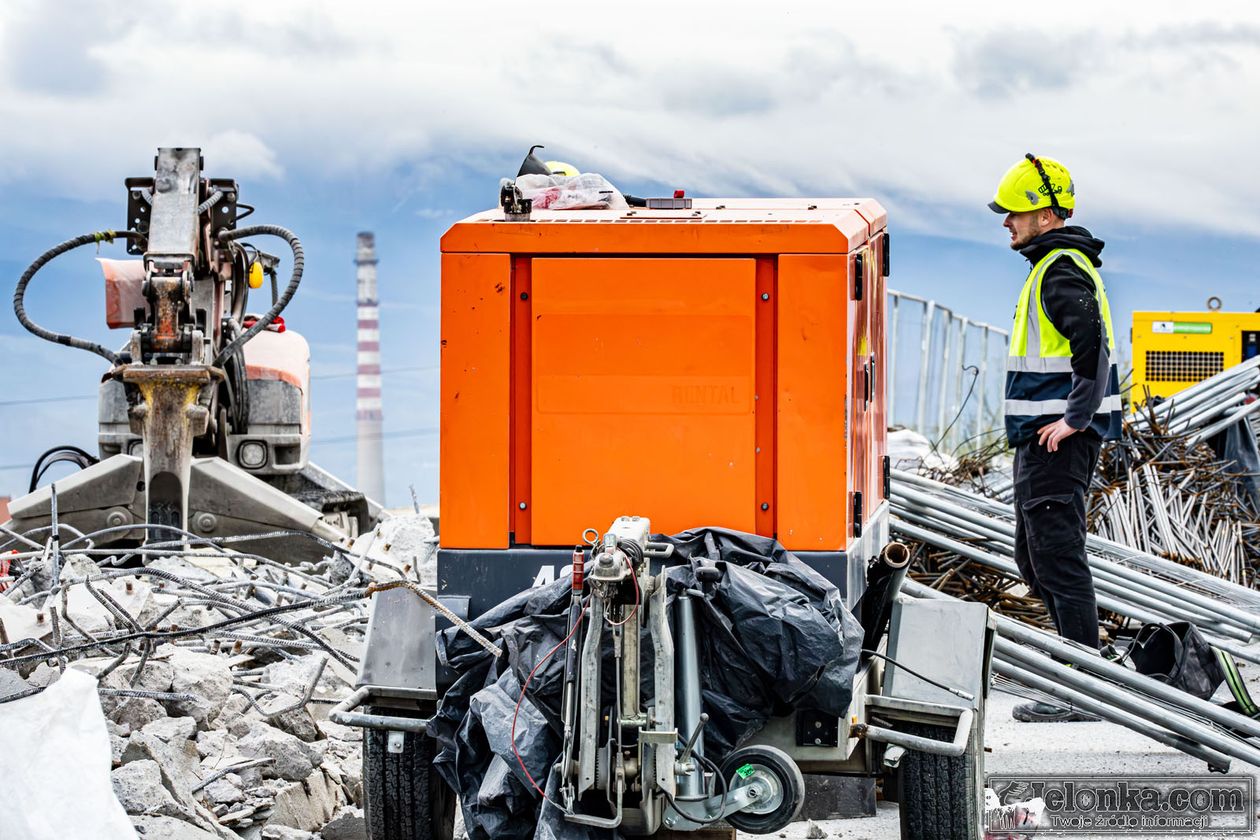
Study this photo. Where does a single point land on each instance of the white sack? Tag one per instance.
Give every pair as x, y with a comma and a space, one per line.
55, 764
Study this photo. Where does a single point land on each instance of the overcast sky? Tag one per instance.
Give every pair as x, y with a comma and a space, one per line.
400, 118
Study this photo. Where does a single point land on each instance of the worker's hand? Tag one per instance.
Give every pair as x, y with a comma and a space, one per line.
1052, 434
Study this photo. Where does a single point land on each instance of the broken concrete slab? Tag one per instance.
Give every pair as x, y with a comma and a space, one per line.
296, 719
308, 804
207, 677
169, 828
11, 685
43, 676
133, 712
293, 759
347, 824
283, 832
138, 786
157, 674
227, 790
175, 730
22, 621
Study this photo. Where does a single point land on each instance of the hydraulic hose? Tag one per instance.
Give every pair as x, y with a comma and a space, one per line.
299, 260
19, 294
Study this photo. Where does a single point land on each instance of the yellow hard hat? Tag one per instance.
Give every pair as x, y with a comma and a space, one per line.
1034, 183
559, 167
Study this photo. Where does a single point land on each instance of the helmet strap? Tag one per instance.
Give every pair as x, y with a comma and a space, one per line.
1045, 179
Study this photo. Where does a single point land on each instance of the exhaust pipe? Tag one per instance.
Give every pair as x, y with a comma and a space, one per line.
883, 581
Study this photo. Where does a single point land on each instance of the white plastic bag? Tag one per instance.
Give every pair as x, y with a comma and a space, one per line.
55, 764
587, 191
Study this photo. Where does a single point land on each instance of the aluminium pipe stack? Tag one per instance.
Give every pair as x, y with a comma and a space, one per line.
1227, 383
1108, 712
1146, 610
1109, 575
1156, 706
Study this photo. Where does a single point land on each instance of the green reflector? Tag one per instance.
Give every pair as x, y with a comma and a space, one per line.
745, 771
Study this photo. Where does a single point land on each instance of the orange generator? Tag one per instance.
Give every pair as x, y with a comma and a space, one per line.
721, 365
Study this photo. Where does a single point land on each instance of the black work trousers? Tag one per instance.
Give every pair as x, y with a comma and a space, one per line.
1050, 492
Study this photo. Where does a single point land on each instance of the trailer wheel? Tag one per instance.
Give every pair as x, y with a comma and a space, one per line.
939, 793
404, 798
781, 781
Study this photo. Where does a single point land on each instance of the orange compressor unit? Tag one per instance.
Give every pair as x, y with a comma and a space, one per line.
719, 366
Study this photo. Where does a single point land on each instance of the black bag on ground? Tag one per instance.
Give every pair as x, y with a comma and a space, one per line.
1178, 654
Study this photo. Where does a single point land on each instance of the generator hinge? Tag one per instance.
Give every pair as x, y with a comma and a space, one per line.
868, 380
857, 514
887, 476
859, 264
887, 260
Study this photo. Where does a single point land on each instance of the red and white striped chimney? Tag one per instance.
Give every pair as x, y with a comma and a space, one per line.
368, 397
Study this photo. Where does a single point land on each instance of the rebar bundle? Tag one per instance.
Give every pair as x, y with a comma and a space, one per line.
968, 580
67, 599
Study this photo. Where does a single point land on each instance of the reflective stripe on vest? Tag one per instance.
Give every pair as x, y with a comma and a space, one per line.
1037, 346
1036, 408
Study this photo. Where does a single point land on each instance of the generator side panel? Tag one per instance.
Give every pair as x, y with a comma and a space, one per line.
642, 394
813, 368
877, 367
475, 428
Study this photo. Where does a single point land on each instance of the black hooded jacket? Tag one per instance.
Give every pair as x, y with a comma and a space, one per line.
1071, 304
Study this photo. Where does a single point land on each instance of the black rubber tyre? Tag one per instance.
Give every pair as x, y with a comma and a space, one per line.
404, 798
774, 762
938, 798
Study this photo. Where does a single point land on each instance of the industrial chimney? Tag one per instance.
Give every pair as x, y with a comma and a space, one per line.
368, 395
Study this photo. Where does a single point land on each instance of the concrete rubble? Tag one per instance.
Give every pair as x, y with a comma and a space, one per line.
216, 672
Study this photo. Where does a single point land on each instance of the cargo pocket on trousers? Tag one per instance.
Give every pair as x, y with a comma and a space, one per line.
1053, 524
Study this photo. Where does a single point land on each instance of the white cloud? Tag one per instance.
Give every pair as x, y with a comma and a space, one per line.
920, 105
244, 154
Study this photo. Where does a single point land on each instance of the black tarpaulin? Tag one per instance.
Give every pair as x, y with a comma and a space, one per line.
774, 635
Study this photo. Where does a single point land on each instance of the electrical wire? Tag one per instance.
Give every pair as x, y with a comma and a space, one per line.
958, 692
635, 611
975, 376
717, 776
524, 688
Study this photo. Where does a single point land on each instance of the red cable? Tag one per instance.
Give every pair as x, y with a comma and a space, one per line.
525, 688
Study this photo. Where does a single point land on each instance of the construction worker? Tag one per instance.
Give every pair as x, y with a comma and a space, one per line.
1062, 398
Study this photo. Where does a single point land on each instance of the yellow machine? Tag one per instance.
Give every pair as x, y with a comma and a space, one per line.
1174, 350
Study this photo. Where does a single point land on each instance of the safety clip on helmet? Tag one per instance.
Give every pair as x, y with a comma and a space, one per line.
1034, 183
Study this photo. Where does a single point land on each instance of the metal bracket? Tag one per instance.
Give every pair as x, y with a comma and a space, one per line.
691, 815
817, 729
900, 708
344, 712
395, 741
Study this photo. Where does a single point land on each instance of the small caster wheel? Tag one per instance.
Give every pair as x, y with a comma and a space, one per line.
780, 788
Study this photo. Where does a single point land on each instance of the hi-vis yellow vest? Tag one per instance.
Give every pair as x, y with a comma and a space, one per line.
1039, 365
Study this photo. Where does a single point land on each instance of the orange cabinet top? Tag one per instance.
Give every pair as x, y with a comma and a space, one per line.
712, 226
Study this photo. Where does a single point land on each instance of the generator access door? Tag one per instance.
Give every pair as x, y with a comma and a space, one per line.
642, 373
